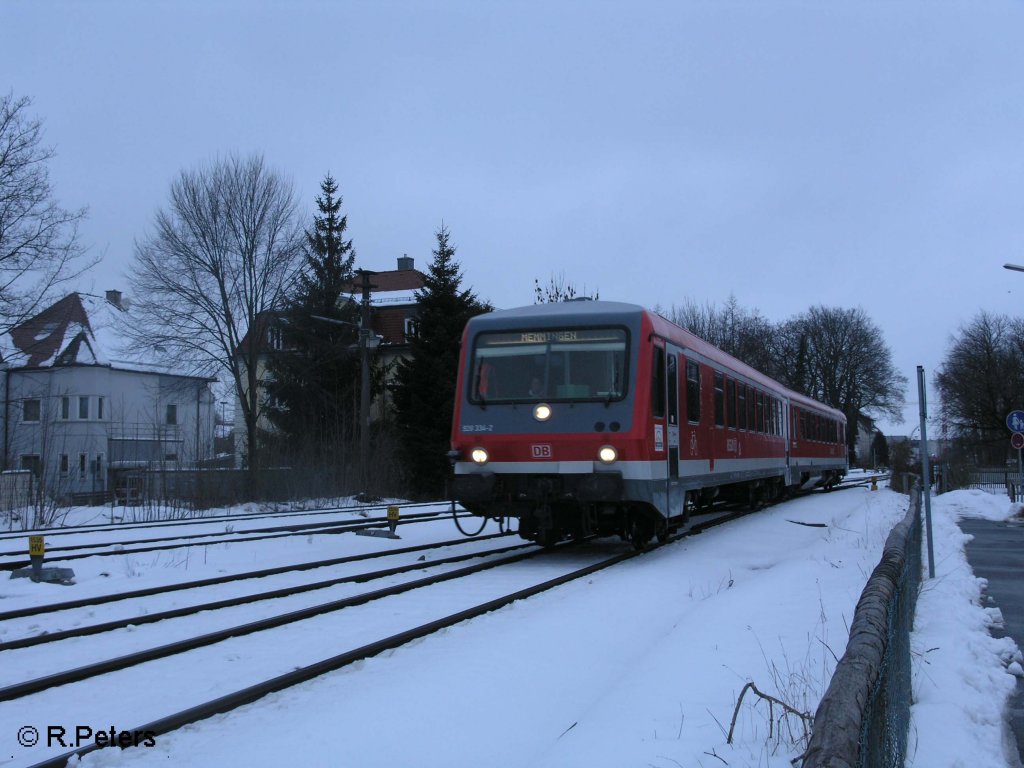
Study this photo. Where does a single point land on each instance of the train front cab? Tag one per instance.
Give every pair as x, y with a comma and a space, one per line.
552, 422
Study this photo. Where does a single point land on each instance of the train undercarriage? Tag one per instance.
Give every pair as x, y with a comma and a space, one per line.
554, 508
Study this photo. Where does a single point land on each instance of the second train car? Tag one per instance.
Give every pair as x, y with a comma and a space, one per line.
596, 417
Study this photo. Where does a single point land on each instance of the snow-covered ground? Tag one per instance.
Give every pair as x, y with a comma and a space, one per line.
638, 665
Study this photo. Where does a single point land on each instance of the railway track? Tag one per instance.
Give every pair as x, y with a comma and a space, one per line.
244, 599
70, 530
438, 509
76, 552
23, 691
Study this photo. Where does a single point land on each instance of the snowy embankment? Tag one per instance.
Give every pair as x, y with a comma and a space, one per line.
960, 682
639, 665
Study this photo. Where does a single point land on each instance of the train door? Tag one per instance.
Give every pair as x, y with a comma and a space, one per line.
665, 412
785, 427
674, 374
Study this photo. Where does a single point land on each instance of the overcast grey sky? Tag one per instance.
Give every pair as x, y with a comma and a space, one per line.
838, 152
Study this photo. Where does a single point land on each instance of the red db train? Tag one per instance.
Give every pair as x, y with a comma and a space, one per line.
596, 417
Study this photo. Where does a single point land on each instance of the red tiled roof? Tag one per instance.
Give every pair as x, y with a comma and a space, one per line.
395, 280
41, 337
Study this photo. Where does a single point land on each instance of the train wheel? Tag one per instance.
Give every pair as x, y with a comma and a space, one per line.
664, 534
640, 532
548, 537
755, 499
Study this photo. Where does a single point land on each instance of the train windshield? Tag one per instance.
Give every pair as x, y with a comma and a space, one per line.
549, 365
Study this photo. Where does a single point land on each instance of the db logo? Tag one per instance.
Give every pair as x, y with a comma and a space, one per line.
541, 451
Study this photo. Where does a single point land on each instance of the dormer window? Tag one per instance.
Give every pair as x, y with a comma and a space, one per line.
274, 339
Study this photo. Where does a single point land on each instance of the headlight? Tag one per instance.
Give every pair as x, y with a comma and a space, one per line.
479, 455
542, 412
607, 454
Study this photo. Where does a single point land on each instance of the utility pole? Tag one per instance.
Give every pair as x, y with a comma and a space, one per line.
925, 469
365, 332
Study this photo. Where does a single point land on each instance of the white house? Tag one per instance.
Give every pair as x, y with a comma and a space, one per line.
80, 417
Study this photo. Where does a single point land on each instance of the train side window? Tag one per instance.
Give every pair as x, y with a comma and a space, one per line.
777, 411
758, 412
770, 403
658, 384
692, 391
673, 389
741, 395
719, 400
730, 403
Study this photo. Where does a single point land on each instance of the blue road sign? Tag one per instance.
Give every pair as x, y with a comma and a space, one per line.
1015, 421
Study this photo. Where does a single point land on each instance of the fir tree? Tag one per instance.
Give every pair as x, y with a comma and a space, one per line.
314, 377
880, 450
424, 389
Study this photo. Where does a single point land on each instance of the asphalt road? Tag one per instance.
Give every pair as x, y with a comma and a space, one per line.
997, 554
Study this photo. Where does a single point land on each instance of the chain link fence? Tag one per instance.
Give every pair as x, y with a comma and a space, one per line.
862, 720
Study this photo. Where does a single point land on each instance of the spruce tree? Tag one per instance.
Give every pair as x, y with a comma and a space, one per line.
314, 377
424, 389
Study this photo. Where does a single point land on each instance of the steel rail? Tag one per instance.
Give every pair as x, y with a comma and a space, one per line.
11, 565
255, 692
36, 610
295, 527
28, 687
253, 597
100, 527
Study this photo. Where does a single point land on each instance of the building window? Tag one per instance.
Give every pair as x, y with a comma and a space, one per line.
97, 466
31, 410
172, 414
81, 466
411, 328
83, 407
65, 408
274, 340
170, 457
99, 408
65, 464
30, 461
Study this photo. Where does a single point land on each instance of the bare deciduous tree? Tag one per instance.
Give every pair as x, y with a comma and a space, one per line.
39, 249
744, 334
839, 356
557, 289
981, 380
220, 260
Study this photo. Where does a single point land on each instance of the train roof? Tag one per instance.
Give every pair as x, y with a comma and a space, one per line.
586, 311
576, 310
